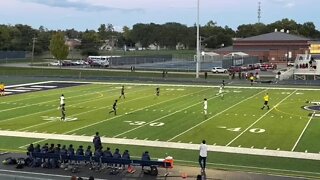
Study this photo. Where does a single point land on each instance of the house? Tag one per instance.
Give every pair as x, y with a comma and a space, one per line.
72, 43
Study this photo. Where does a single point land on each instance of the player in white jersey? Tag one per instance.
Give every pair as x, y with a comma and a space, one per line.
62, 103
220, 93
205, 106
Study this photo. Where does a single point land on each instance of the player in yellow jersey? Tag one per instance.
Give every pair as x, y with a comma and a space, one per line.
2, 89
266, 101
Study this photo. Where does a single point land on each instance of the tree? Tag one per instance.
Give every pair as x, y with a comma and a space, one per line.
58, 48
102, 31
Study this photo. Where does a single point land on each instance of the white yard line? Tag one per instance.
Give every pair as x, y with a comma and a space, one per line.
163, 117
260, 118
162, 144
305, 128
215, 116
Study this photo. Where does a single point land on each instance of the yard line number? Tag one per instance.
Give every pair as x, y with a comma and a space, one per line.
238, 129
140, 123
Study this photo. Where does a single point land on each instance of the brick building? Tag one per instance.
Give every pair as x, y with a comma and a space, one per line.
275, 47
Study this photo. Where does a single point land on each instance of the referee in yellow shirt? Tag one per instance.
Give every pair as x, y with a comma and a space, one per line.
2, 89
251, 79
266, 100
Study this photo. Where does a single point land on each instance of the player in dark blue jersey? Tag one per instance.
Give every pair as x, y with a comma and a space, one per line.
114, 107
158, 91
63, 113
122, 93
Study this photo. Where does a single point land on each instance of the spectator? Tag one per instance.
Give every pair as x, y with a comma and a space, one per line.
79, 151
205, 75
88, 152
63, 150
98, 153
107, 153
96, 141
126, 156
203, 155
44, 148
30, 150
37, 148
51, 148
91, 178
73, 178
70, 150
257, 76
145, 157
117, 155
57, 149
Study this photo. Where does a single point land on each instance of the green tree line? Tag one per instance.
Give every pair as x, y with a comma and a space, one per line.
19, 37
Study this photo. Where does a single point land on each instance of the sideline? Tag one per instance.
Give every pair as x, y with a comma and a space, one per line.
162, 144
186, 85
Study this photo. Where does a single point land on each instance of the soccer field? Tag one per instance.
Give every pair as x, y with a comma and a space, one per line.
234, 123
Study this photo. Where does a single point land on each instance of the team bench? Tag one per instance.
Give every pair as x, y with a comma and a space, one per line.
104, 160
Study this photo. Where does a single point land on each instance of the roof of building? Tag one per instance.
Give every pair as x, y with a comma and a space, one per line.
276, 36
241, 54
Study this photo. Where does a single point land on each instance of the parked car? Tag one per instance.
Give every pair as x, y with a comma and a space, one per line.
218, 70
55, 63
290, 63
79, 62
268, 66
234, 69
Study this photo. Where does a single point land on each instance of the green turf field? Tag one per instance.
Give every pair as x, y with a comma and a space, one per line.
176, 116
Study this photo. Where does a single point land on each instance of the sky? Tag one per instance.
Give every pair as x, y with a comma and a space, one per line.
90, 14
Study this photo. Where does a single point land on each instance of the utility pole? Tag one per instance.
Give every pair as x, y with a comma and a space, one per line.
33, 44
198, 42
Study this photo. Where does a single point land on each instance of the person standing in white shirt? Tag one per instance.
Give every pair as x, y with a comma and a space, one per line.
203, 155
205, 106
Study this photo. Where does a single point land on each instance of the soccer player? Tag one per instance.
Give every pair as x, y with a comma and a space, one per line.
266, 100
62, 103
220, 92
205, 106
122, 93
2, 87
223, 83
158, 91
114, 107
63, 113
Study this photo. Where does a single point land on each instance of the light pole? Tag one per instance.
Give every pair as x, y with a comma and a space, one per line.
33, 44
198, 41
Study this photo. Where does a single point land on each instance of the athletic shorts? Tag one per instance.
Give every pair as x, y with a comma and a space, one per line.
266, 102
